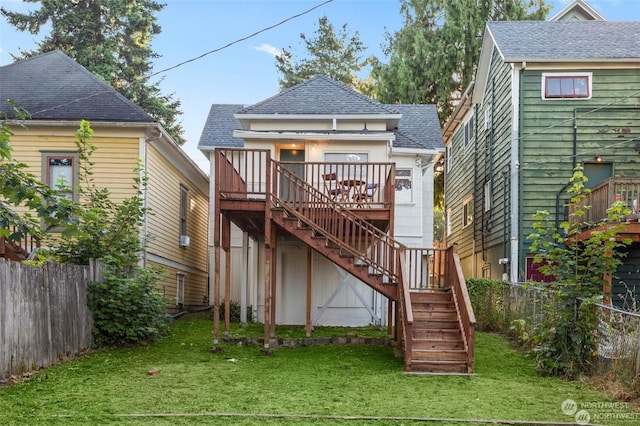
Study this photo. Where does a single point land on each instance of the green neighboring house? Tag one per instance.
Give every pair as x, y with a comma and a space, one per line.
548, 95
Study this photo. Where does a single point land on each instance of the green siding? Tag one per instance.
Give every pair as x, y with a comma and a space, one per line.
608, 124
486, 157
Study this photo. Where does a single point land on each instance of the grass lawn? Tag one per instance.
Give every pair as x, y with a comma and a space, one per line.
307, 384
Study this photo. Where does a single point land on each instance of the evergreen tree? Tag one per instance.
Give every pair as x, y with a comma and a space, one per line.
433, 58
335, 55
111, 38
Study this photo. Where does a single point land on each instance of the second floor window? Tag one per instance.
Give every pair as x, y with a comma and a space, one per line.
184, 209
566, 86
60, 171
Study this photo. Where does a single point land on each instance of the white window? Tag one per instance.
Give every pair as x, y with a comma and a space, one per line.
404, 186
566, 85
345, 164
469, 130
487, 195
448, 222
449, 156
467, 211
487, 117
179, 289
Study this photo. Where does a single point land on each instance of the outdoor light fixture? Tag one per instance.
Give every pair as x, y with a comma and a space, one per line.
598, 158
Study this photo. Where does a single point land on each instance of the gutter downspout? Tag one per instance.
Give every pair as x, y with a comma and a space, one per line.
515, 174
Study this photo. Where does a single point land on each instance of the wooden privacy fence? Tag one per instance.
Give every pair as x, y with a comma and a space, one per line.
44, 316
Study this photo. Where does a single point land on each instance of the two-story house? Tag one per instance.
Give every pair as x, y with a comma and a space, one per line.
58, 93
547, 96
316, 195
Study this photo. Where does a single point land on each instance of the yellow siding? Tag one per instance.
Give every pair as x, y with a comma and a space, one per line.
116, 160
115, 157
164, 224
195, 287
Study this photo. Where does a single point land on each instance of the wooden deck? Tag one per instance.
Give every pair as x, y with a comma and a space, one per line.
601, 197
345, 212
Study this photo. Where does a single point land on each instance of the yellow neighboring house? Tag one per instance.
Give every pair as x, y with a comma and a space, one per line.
58, 93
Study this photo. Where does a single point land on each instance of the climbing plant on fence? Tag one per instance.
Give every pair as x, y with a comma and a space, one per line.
565, 342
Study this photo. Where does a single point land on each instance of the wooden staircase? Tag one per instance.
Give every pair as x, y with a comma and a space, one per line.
434, 320
438, 345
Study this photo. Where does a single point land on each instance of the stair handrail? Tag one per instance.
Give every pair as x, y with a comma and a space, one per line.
312, 196
406, 312
466, 318
398, 273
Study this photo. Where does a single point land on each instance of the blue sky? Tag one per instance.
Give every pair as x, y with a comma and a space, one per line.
245, 73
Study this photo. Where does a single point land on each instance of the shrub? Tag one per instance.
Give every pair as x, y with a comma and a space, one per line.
128, 310
486, 299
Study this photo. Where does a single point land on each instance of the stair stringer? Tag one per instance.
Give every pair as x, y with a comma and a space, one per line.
319, 244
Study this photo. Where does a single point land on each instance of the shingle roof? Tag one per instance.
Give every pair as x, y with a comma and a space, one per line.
566, 40
319, 95
219, 127
419, 127
53, 86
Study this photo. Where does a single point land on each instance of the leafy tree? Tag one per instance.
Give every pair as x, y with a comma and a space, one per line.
432, 58
112, 39
127, 305
104, 230
566, 341
47, 207
335, 55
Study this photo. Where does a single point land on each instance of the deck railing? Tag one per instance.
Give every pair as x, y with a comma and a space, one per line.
425, 268
242, 173
19, 245
338, 224
405, 310
603, 195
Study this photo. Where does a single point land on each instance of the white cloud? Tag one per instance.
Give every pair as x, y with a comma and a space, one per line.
269, 49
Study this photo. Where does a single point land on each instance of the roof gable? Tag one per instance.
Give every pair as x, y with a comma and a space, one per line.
52, 86
319, 95
578, 10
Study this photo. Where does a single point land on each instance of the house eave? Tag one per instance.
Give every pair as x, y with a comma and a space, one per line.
416, 151
270, 117
328, 135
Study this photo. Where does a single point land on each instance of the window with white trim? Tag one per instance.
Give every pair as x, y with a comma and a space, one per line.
467, 211
179, 288
487, 195
449, 156
566, 85
404, 183
469, 130
449, 222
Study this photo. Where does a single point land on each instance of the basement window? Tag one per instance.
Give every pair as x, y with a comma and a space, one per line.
566, 86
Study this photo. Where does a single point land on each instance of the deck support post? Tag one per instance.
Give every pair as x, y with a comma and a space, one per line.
309, 278
274, 284
226, 244
216, 297
244, 279
389, 318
